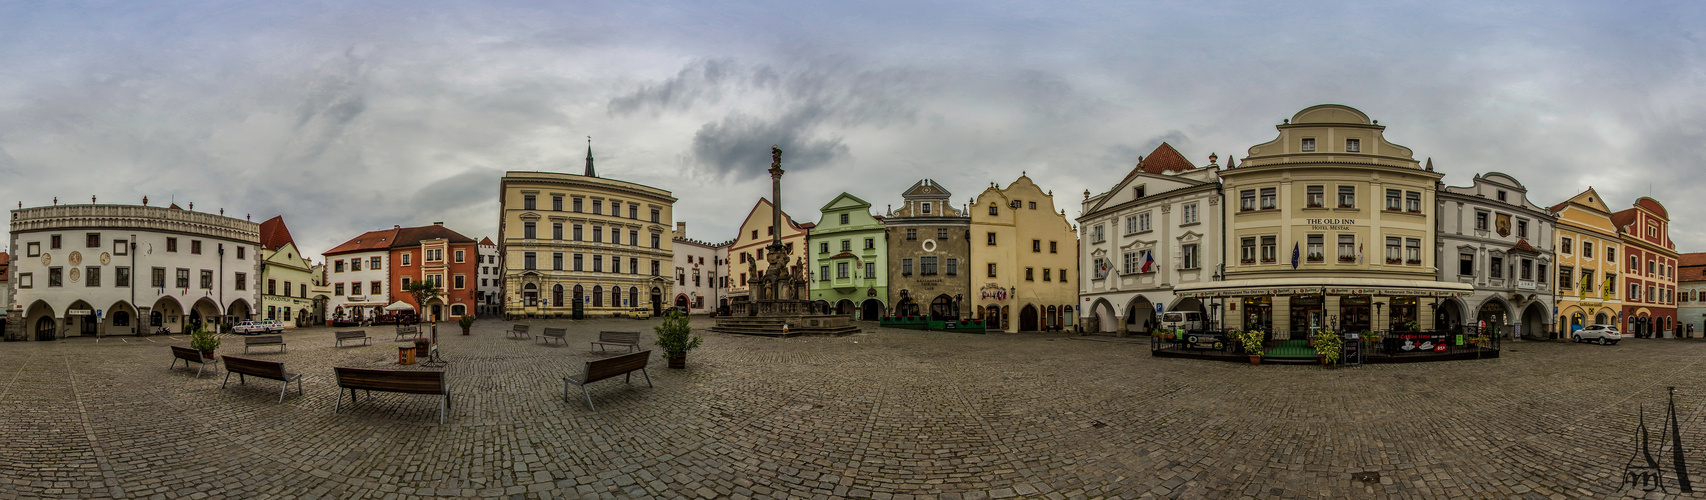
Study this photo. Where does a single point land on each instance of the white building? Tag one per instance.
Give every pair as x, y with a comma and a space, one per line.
489, 294
125, 269
358, 271
1490, 236
696, 271
1159, 227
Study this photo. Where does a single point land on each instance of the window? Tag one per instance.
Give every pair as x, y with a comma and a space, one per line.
615, 236
1315, 252
655, 241
992, 237
338, 289
1247, 250
1522, 232
1481, 220
911, 234
634, 211
1566, 277
33, 249
121, 278
655, 215
844, 219
1314, 196
941, 234
557, 231
92, 275
93, 240
1634, 264
527, 202
615, 208
528, 261
1046, 274
597, 234
823, 273
1247, 200
158, 277
1394, 199
1501, 195
1143, 222
1130, 263
1308, 144
846, 245
55, 277
1564, 244
823, 247
195, 247
1030, 274
355, 288
1347, 248
557, 261
460, 282
1033, 205
1588, 283
1190, 213
1587, 250
871, 269
992, 269
953, 267
529, 231
577, 204
993, 210
461, 258
1138, 192
1649, 263
871, 243
906, 267
1188, 254
1413, 251
925, 207
576, 232
374, 263
634, 237
1394, 249
1036, 246
183, 278
1526, 269
1540, 273
598, 206
927, 266
1347, 196
557, 202
240, 250
338, 266
206, 279
1634, 291
407, 258
1270, 249
841, 270
1353, 145
1466, 264
598, 263
1062, 275
1053, 247
577, 263
615, 264
1496, 267
272, 287
1413, 202
1131, 224
171, 243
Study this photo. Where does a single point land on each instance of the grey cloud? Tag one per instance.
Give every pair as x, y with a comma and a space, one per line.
739, 145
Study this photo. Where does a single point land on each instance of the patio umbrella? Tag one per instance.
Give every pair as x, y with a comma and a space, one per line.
399, 306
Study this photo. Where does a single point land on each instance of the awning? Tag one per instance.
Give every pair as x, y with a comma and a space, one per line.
1323, 286
399, 306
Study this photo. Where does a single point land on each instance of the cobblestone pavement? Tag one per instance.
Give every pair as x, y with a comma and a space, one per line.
886, 414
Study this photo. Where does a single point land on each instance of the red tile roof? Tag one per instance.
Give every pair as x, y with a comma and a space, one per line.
413, 236
1691, 259
1162, 160
368, 241
274, 234
1523, 246
486, 241
1623, 219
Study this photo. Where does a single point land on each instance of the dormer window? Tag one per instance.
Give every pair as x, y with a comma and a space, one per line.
994, 210
1137, 192
1501, 196
1016, 204
1353, 145
926, 207
1308, 144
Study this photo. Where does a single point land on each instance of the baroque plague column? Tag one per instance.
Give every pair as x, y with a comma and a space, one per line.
781, 304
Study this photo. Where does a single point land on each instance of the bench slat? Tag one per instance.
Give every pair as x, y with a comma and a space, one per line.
408, 382
259, 368
601, 369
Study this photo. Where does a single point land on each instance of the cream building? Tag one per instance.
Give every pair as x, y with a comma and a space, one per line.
696, 271
1492, 237
1587, 248
582, 245
746, 260
1024, 257
1158, 228
1329, 226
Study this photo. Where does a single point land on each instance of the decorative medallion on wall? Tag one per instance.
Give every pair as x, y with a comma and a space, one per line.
76, 258
1503, 224
46, 259
74, 274
929, 245
106, 258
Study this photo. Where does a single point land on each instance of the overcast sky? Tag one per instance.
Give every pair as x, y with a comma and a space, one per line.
352, 116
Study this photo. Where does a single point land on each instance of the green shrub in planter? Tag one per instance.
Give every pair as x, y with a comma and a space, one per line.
203, 340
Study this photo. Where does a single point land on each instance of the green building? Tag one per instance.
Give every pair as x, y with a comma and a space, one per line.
849, 254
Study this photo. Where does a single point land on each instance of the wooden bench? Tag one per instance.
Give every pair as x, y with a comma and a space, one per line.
600, 369
557, 334
517, 332
352, 335
263, 340
630, 340
263, 369
406, 382
407, 332
191, 355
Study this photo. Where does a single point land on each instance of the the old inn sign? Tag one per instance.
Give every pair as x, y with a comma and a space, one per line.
1330, 224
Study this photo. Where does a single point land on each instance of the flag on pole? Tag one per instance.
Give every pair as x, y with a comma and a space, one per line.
1148, 262
1359, 253
1294, 255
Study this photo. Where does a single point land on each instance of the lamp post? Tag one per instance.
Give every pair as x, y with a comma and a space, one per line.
1213, 314
1377, 307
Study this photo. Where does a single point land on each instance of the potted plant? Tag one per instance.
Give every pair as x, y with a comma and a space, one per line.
676, 337
466, 322
205, 341
1328, 348
422, 346
1253, 345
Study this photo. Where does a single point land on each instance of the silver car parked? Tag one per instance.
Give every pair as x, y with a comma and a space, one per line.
1602, 334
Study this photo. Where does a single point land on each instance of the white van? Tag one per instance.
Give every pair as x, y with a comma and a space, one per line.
1186, 320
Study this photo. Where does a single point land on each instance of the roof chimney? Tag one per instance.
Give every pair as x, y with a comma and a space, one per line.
438, 223
680, 229
396, 226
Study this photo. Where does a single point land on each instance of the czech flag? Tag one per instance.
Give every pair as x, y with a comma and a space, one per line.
1148, 262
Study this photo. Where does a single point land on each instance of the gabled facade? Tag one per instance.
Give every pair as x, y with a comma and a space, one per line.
1493, 238
696, 272
286, 278
1023, 246
1159, 227
356, 272
490, 289
1587, 247
439, 255
928, 229
849, 250
1691, 295
747, 250
1649, 278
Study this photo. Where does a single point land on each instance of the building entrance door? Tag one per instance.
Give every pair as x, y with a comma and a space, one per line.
87, 325
1028, 319
1305, 315
44, 328
1354, 314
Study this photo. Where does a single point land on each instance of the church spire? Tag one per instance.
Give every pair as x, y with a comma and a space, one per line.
589, 170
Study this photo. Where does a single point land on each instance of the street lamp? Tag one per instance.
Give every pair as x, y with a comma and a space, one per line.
1213, 315
1377, 308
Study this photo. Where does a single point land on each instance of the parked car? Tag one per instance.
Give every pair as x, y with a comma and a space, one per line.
678, 309
638, 313
1603, 334
259, 326
1189, 321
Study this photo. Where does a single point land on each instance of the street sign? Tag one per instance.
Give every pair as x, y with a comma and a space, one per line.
1158, 308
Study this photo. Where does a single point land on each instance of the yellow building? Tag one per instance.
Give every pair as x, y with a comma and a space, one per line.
1330, 226
583, 245
1587, 246
746, 254
1025, 258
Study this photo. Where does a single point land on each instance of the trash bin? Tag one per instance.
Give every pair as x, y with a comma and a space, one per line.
406, 355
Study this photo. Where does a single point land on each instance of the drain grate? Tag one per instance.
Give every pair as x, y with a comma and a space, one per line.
1367, 477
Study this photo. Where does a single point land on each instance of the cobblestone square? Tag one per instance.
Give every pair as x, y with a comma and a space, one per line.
884, 414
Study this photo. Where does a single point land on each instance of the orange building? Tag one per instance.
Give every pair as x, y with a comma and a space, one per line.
397, 257
1649, 281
